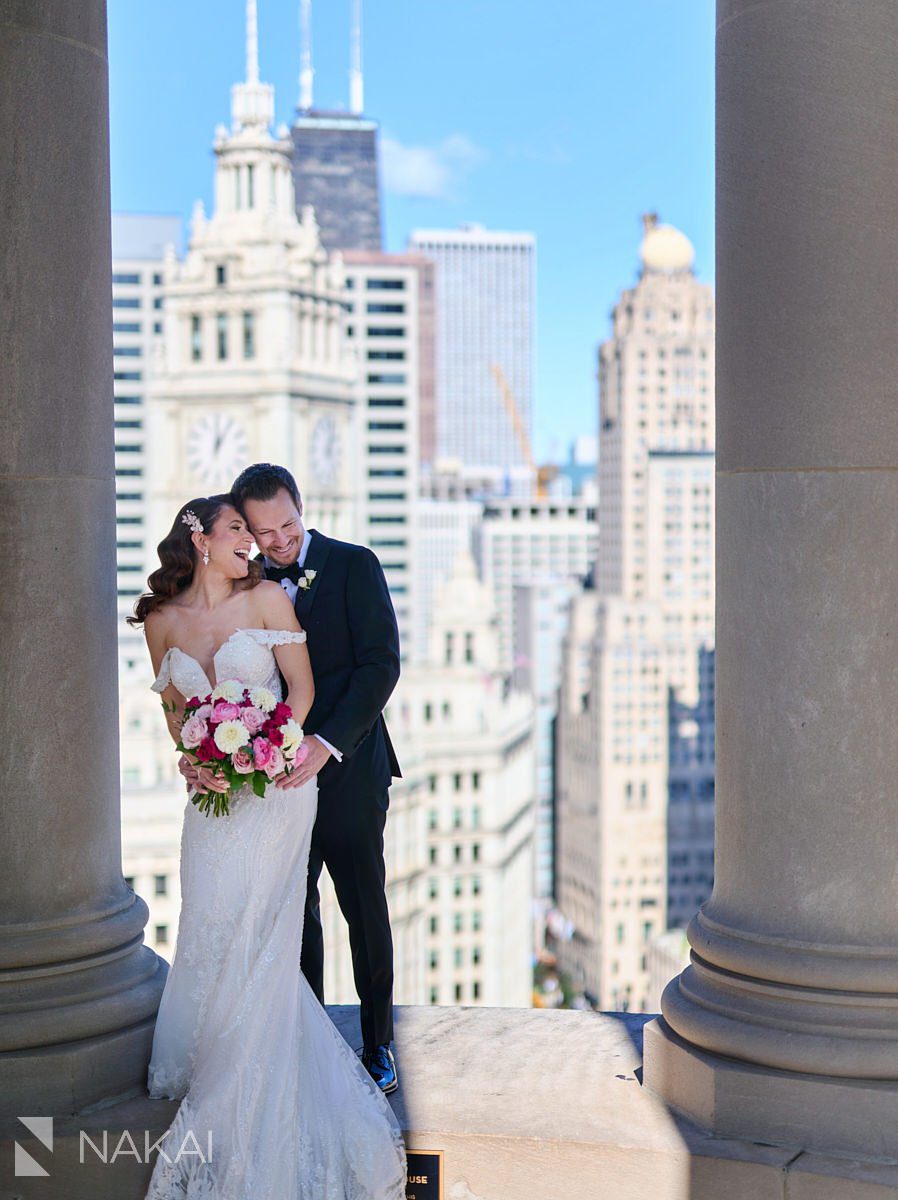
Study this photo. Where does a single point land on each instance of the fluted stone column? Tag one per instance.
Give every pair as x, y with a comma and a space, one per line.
78, 990
785, 1026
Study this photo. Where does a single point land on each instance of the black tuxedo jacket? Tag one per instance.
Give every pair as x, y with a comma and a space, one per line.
353, 643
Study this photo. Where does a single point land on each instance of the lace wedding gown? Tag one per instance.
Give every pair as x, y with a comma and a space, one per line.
240, 1037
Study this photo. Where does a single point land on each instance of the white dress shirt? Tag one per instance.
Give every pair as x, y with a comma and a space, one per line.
291, 589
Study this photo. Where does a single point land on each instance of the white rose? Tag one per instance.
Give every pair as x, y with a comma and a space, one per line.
230, 736
230, 690
293, 736
262, 698
310, 575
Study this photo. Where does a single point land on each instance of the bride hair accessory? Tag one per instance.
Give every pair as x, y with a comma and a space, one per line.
190, 518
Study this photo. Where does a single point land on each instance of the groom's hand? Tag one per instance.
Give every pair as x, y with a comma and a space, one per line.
317, 757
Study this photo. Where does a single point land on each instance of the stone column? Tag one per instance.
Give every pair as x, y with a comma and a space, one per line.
785, 1026
78, 990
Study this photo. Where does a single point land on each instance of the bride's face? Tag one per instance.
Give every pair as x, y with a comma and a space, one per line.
229, 544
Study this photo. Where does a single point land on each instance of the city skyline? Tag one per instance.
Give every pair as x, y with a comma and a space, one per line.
451, 153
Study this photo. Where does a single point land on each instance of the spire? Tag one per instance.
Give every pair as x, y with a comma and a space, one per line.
306, 73
252, 42
356, 82
252, 102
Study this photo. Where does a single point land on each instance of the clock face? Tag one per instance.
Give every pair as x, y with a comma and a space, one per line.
217, 448
325, 451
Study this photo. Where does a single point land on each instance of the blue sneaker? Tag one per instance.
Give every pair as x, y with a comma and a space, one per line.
381, 1066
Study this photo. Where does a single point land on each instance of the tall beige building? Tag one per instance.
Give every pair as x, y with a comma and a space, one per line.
639, 632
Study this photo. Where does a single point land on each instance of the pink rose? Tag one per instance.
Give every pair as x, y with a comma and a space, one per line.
253, 718
204, 711
275, 763
223, 711
193, 731
300, 754
262, 753
242, 761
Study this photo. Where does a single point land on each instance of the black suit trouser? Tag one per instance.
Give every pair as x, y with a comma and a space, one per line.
348, 838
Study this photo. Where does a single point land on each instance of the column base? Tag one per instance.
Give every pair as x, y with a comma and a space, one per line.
732, 1098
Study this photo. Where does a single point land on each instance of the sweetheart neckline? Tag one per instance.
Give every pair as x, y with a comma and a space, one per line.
227, 641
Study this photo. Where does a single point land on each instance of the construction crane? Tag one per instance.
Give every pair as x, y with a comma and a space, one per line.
542, 475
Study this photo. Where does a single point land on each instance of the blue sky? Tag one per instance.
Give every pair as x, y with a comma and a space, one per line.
568, 119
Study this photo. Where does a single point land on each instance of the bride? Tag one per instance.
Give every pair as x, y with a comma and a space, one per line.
274, 1104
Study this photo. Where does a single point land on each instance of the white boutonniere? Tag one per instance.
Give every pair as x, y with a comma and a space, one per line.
305, 580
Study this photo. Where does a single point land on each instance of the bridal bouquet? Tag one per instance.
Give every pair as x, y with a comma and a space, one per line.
245, 735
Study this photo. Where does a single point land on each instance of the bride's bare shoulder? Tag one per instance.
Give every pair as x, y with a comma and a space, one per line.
273, 607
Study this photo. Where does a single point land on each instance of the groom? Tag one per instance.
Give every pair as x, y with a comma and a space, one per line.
342, 601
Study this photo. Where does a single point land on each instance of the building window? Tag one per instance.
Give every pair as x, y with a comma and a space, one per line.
385, 402
476, 920
196, 337
161, 885
250, 190
458, 922
125, 302
457, 993
432, 783
469, 647
386, 285
456, 853
249, 335
433, 817
476, 956
456, 782
161, 935
450, 638
128, 376
126, 279
221, 275
434, 959
129, 881
433, 889
434, 924
434, 995
392, 379
459, 956
126, 327
475, 852
127, 351
221, 328
386, 308
386, 426
432, 854
475, 886
475, 989
457, 890
475, 784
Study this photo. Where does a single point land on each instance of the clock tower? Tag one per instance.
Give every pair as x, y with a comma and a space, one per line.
254, 362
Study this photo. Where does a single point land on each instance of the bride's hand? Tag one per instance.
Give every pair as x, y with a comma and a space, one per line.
207, 781
188, 770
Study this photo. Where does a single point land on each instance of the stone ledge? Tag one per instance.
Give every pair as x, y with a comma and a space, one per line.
526, 1105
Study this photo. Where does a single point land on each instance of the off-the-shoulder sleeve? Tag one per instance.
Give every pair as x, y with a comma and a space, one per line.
163, 679
275, 637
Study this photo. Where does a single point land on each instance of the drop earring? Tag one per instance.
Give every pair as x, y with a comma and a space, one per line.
206, 558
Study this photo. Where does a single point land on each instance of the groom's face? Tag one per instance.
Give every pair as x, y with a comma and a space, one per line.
276, 526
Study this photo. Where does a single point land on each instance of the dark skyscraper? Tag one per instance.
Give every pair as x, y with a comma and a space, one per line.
335, 170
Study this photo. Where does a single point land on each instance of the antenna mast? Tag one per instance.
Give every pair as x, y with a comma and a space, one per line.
356, 82
306, 73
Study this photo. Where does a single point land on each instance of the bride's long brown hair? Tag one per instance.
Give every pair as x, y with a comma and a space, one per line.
178, 556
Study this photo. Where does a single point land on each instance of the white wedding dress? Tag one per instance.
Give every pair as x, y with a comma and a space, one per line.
240, 1037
